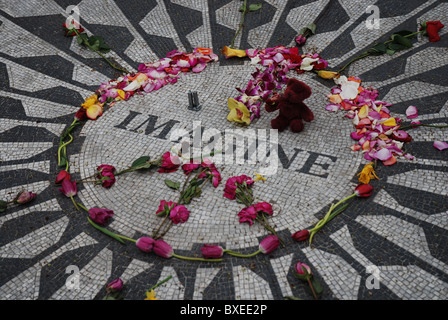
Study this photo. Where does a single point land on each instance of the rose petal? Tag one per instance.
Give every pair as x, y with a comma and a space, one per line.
332, 107
411, 112
383, 154
199, 67
440, 145
392, 160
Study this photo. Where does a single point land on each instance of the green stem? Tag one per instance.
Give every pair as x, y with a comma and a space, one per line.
240, 255
82, 207
423, 125
99, 53
160, 283
312, 289
240, 27
76, 206
63, 147
195, 259
365, 54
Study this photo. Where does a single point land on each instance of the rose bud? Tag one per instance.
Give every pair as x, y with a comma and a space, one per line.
300, 40
108, 179
212, 252
145, 244
115, 286
24, 197
269, 244
301, 235
363, 190
100, 216
303, 269
81, 114
106, 168
163, 249
62, 176
69, 188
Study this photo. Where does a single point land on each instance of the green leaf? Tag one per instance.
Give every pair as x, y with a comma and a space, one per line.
390, 52
104, 230
140, 161
172, 184
405, 33
255, 7
312, 28
378, 49
398, 39
3, 205
396, 46
242, 8
82, 37
316, 286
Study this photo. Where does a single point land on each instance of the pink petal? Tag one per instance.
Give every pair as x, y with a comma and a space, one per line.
440, 145
411, 112
251, 53
332, 107
383, 154
199, 67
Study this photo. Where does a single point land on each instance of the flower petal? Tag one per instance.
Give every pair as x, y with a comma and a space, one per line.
383, 154
440, 145
411, 112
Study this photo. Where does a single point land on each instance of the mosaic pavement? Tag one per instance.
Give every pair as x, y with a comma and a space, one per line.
401, 230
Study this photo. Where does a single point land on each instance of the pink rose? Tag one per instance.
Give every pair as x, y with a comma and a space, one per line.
264, 207
179, 214
248, 215
100, 216
170, 163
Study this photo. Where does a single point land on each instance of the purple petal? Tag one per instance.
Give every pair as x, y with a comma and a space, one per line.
440, 145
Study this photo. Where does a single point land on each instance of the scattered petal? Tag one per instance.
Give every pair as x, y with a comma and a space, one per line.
441, 145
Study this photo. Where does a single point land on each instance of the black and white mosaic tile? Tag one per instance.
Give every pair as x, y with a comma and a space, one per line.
401, 231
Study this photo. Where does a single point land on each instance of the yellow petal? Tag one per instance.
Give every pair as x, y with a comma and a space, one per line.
90, 101
94, 111
390, 122
363, 112
328, 74
151, 295
120, 94
229, 52
335, 98
238, 112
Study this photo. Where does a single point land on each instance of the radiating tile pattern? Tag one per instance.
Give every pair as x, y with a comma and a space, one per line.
44, 77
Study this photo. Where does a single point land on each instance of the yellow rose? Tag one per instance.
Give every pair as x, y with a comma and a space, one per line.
238, 112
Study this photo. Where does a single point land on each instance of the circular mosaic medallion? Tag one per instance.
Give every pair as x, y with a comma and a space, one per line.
305, 171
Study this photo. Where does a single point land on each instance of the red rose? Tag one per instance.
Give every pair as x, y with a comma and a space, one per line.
70, 32
432, 28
